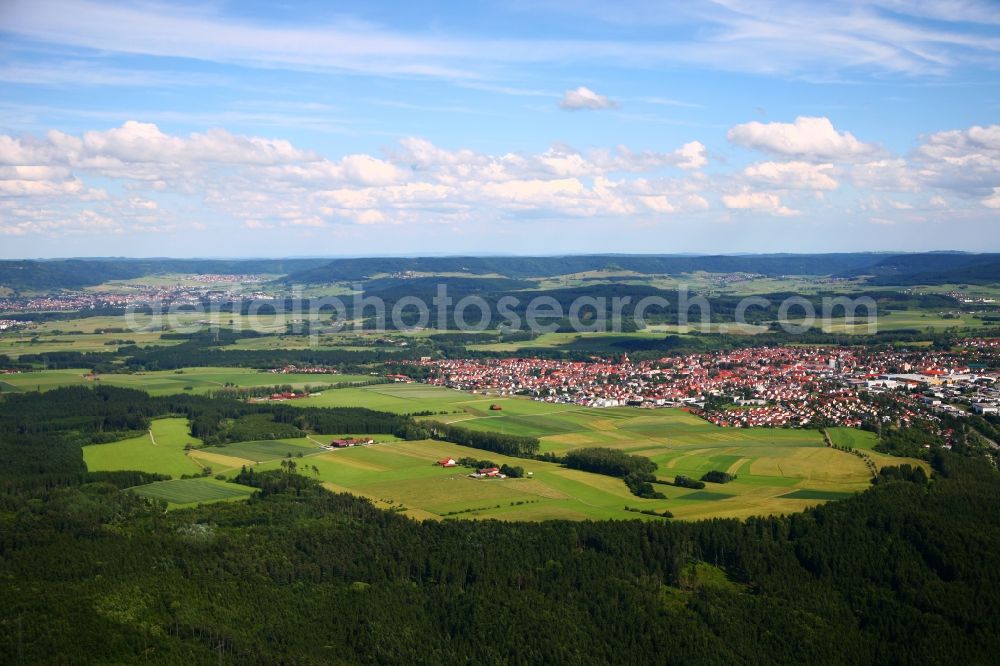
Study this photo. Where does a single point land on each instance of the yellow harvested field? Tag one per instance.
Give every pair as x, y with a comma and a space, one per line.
218, 461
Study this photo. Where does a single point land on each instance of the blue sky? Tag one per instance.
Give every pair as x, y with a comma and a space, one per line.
314, 128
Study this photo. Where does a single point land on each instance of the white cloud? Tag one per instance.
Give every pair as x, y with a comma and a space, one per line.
993, 201
34, 172
143, 204
89, 220
36, 188
422, 154
691, 155
886, 174
658, 204
792, 175
25, 152
764, 202
533, 192
369, 217
584, 98
560, 160
966, 161
145, 142
961, 161
806, 137
696, 202
368, 170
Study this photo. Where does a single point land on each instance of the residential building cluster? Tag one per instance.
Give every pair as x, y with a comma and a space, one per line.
962, 297
196, 290
784, 386
304, 370
223, 278
49, 303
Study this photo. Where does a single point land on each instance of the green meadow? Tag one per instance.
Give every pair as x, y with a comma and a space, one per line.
15, 345
161, 450
165, 382
777, 470
181, 493
865, 441
396, 398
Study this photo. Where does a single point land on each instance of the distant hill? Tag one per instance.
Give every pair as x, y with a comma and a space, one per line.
340, 270
883, 269
932, 268
69, 274
78, 273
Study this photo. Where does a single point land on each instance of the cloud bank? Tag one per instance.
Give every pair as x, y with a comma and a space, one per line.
138, 178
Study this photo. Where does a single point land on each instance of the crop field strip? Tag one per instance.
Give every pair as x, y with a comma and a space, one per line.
186, 492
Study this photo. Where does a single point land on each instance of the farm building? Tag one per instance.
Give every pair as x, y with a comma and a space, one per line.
489, 473
288, 395
350, 441
447, 462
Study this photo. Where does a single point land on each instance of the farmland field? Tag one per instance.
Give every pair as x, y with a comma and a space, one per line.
14, 345
397, 398
404, 475
865, 441
777, 470
770, 464
816, 494
851, 438
164, 382
161, 451
187, 492
263, 450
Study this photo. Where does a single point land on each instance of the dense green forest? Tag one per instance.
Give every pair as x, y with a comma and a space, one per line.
906, 572
934, 268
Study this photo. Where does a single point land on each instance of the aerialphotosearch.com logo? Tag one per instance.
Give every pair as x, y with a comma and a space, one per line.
681, 311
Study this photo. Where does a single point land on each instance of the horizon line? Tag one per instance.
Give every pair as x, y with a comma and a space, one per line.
489, 255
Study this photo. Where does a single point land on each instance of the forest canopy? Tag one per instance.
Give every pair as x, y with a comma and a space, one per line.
905, 572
